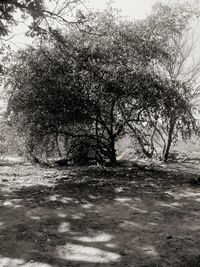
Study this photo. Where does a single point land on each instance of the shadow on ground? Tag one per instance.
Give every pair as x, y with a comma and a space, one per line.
92, 217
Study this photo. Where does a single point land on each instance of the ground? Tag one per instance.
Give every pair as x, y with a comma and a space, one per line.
125, 216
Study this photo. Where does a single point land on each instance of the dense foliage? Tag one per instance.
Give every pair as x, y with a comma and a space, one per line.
84, 89
171, 25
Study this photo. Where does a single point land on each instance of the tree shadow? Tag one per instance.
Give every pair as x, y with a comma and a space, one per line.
90, 217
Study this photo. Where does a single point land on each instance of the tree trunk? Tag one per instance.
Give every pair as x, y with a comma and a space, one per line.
166, 153
113, 159
170, 139
58, 145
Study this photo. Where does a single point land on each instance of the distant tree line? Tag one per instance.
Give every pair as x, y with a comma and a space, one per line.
83, 88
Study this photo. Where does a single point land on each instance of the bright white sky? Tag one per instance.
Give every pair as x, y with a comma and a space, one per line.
136, 9
133, 9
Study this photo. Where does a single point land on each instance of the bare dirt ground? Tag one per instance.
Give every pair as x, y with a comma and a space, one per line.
91, 217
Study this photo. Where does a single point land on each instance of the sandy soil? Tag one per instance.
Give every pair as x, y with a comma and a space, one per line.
90, 217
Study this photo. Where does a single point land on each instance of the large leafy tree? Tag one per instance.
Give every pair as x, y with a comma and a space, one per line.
87, 86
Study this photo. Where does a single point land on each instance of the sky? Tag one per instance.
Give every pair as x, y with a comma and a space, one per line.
136, 9
132, 9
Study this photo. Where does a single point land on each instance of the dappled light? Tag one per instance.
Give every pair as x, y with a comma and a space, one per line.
111, 245
5, 261
64, 227
150, 250
64, 200
61, 215
106, 222
138, 209
172, 205
123, 200
11, 203
129, 224
78, 216
86, 254
37, 218
87, 206
152, 224
9, 262
102, 237
194, 226
187, 193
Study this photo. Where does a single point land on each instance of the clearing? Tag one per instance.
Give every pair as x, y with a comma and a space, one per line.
124, 216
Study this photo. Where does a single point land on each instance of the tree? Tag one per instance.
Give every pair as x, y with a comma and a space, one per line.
172, 26
87, 87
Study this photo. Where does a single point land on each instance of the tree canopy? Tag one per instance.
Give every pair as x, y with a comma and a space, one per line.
90, 85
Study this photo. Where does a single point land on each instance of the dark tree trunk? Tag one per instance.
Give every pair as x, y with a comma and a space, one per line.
58, 145
170, 139
113, 159
166, 153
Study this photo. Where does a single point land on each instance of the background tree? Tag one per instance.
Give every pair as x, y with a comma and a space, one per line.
172, 26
